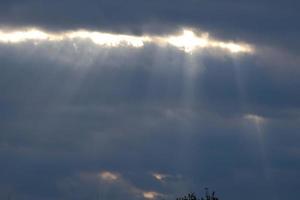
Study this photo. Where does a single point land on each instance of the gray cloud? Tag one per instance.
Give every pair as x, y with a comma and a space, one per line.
68, 112
263, 22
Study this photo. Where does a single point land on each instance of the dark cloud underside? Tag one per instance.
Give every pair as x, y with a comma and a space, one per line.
265, 22
157, 111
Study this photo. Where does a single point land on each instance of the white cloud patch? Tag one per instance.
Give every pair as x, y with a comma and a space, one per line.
254, 118
159, 176
108, 176
150, 195
108, 181
188, 41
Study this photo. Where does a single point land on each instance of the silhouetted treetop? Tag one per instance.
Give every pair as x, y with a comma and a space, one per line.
192, 196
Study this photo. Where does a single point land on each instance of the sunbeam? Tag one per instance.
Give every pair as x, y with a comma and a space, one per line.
149, 100
258, 122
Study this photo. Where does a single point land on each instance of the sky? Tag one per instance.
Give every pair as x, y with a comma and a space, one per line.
149, 100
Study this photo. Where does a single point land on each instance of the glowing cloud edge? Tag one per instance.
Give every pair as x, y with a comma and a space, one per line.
188, 41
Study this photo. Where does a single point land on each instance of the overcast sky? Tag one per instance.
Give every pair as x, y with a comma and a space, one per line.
139, 109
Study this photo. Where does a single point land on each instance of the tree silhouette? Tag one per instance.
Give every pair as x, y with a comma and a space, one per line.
209, 196
192, 196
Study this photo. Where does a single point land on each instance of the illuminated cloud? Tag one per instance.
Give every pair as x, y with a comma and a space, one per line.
150, 195
159, 177
28, 35
107, 39
254, 118
108, 176
188, 41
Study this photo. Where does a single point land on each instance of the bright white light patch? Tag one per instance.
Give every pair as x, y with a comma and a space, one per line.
150, 195
108, 176
159, 177
188, 41
106, 39
255, 118
22, 36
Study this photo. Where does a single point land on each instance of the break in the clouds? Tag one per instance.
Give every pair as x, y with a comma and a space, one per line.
119, 100
188, 41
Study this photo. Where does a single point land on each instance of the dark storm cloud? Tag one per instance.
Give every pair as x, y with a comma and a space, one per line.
70, 111
263, 22
229, 122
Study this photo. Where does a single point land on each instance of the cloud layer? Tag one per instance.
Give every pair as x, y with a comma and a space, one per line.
204, 119
131, 107
188, 41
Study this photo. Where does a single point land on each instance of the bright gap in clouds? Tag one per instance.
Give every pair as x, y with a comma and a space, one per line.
188, 41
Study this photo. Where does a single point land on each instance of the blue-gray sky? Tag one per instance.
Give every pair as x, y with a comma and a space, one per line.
85, 121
